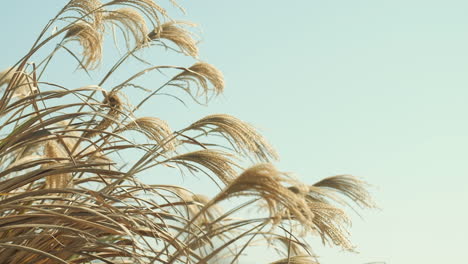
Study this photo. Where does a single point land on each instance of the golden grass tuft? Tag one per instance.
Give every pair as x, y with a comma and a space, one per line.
153, 128
23, 84
349, 186
131, 22
176, 33
217, 162
90, 38
52, 150
266, 182
6, 76
201, 74
242, 136
88, 9
147, 7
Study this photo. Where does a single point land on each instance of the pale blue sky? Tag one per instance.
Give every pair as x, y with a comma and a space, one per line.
373, 88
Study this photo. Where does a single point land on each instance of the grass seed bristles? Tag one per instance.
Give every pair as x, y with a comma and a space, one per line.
349, 186
132, 22
201, 74
264, 181
90, 39
6, 76
174, 32
148, 7
87, 9
23, 85
61, 180
331, 223
217, 162
242, 136
154, 129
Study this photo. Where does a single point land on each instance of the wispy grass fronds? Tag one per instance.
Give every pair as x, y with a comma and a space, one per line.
88, 10
131, 22
91, 40
60, 180
148, 7
264, 181
19, 83
153, 128
330, 222
349, 186
6, 76
216, 162
175, 32
200, 74
242, 136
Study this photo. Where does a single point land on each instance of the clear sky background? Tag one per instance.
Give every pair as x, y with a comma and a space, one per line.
373, 88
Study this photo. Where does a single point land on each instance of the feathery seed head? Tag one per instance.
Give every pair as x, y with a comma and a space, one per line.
6, 76
242, 136
91, 41
23, 83
217, 162
132, 22
60, 180
348, 186
174, 32
264, 181
201, 74
88, 9
148, 7
154, 129
203, 71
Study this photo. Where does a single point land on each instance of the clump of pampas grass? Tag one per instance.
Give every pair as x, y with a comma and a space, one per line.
72, 158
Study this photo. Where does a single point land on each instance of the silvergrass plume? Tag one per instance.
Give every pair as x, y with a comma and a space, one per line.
202, 75
175, 32
88, 9
153, 128
242, 136
90, 39
264, 181
59, 180
24, 84
131, 22
217, 162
